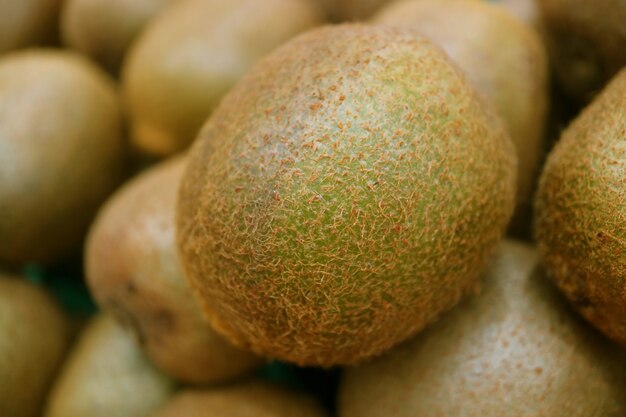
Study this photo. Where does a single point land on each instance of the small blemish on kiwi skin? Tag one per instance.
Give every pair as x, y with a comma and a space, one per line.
165, 318
130, 288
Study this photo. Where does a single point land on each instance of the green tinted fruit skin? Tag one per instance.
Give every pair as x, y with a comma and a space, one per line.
581, 211
348, 191
516, 349
472, 32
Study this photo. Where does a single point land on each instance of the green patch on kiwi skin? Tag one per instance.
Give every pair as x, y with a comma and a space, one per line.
516, 349
581, 214
346, 193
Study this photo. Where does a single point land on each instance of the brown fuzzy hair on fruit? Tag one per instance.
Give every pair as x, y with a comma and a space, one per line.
107, 375
34, 336
347, 192
516, 349
61, 152
515, 81
586, 40
191, 55
133, 272
250, 399
581, 211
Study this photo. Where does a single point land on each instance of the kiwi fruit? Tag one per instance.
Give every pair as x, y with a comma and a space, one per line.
515, 81
586, 41
346, 192
191, 55
107, 375
581, 211
28, 22
527, 11
251, 399
61, 152
341, 10
514, 350
133, 273
35, 335
105, 29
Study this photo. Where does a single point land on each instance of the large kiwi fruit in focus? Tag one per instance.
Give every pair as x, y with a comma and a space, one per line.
27, 22
105, 29
514, 350
250, 399
107, 375
581, 211
192, 54
133, 272
61, 152
348, 191
587, 42
515, 80
33, 338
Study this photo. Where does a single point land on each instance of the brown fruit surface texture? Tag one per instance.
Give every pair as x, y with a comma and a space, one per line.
107, 375
515, 80
105, 29
192, 54
587, 42
27, 22
133, 272
581, 211
61, 152
516, 349
34, 337
347, 192
251, 399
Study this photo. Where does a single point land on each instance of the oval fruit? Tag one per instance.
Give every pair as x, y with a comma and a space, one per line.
581, 211
61, 152
516, 349
35, 334
348, 191
191, 55
133, 272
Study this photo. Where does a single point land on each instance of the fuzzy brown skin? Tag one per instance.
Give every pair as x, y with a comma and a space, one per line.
105, 29
587, 42
348, 191
191, 55
515, 80
133, 272
581, 211
35, 334
61, 152
107, 375
28, 22
514, 350
251, 399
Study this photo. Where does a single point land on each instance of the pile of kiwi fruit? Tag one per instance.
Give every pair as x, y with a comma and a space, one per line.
313, 208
